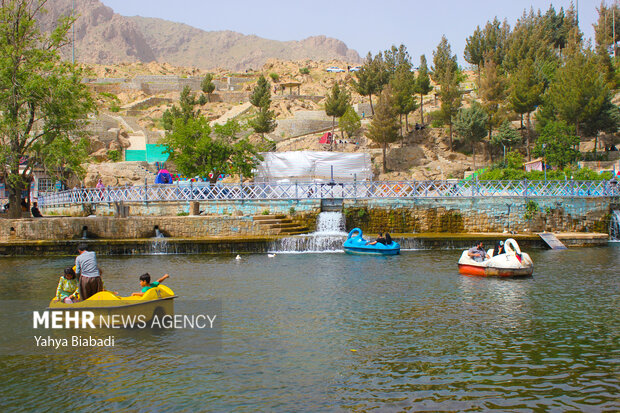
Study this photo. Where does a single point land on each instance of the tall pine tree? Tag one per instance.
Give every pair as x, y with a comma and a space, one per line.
423, 85
384, 126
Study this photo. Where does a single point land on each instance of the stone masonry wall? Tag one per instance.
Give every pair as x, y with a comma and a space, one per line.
478, 215
69, 228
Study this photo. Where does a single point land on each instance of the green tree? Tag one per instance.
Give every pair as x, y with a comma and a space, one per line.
423, 85
470, 126
560, 143
450, 97
384, 126
443, 61
506, 137
526, 93
474, 49
371, 77
195, 152
350, 122
207, 85
43, 104
492, 90
403, 87
397, 58
261, 95
604, 34
579, 94
185, 111
264, 121
336, 104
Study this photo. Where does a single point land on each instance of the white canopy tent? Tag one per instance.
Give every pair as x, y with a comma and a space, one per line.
307, 166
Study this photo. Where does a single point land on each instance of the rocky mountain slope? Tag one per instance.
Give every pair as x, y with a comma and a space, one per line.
104, 37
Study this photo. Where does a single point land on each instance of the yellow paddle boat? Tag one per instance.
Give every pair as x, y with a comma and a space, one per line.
106, 306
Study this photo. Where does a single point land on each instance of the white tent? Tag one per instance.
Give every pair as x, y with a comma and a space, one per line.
307, 166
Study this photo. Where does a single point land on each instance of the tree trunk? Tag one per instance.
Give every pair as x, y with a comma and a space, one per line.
331, 143
527, 142
384, 156
521, 121
473, 154
421, 109
372, 109
450, 135
400, 129
15, 208
407, 123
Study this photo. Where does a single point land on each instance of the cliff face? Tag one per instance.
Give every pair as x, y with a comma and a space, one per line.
104, 37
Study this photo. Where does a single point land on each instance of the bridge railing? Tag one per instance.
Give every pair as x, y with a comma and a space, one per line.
348, 190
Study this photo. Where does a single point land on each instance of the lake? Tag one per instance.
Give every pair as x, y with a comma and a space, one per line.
316, 332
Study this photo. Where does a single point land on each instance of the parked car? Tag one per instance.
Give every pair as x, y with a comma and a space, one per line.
354, 69
334, 69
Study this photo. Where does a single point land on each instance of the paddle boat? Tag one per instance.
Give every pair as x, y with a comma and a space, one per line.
356, 244
157, 301
512, 263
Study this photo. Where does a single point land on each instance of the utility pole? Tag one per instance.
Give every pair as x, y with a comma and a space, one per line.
73, 32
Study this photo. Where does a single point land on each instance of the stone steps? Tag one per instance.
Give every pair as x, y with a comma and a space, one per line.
280, 224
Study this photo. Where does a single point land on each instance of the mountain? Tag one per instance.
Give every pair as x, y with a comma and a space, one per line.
104, 37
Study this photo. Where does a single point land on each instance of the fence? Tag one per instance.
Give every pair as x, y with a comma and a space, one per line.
346, 190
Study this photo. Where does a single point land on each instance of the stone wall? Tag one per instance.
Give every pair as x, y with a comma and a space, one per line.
73, 228
461, 215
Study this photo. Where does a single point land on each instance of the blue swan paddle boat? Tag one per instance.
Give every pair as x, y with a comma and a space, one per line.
356, 244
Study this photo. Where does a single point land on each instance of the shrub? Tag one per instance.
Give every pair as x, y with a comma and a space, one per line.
265, 212
531, 208
182, 214
304, 70
115, 108
114, 155
274, 76
202, 99
291, 211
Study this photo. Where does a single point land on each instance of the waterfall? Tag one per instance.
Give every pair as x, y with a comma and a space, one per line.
329, 236
614, 226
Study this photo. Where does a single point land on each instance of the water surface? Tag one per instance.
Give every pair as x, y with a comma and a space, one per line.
426, 338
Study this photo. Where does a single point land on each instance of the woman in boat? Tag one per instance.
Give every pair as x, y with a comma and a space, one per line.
499, 249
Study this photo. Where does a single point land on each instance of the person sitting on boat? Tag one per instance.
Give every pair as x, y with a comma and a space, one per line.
379, 239
68, 287
388, 238
146, 284
499, 249
478, 253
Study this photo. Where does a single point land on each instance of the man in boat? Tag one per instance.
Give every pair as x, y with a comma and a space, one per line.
478, 253
380, 239
88, 270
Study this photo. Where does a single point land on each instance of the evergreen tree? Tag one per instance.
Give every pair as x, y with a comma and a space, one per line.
579, 94
403, 88
526, 92
336, 104
423, 85
185, 111
43, 103
350, 122
492, 90
371, 77
384, 126
560, 144
397, 58
261, 95
495, 37
207, 85
264, 121
474, 49
470, 125
443, 61
506, 137
450, 97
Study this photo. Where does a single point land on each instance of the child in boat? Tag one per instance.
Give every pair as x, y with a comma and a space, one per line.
146, 284
68, 286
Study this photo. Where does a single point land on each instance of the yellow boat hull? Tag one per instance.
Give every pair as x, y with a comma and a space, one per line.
157, 301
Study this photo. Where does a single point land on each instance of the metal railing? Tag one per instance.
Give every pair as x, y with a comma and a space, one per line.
347, 190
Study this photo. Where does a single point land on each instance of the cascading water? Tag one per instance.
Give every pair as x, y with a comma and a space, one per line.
614, 226
160, 244
329, 236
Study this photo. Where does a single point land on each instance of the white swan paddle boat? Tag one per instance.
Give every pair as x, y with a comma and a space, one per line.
512, 263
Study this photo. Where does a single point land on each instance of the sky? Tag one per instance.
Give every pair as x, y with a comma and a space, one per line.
363, 25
